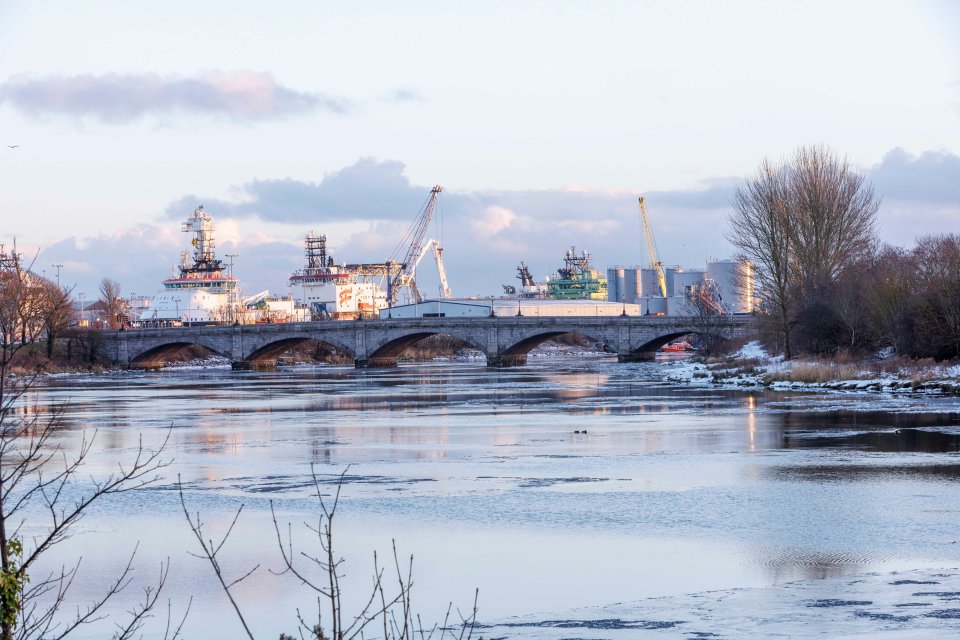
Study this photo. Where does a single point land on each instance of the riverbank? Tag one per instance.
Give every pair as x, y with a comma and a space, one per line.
752, 366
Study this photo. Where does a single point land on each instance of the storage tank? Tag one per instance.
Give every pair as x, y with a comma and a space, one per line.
656, 306
686, 280
648, 283
671, 273
735, 282
616, 284
632, 285
679, 305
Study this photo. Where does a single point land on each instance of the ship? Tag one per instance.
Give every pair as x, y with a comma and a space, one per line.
198, 292
577, 279
339, 292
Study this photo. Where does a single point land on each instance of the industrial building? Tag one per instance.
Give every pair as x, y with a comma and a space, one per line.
730, 282
724, 287
505, 307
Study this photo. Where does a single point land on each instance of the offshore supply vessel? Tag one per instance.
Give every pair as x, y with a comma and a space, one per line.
577, 279
198, 292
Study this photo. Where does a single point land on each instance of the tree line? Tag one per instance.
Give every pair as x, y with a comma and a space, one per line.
37, 311
826, 283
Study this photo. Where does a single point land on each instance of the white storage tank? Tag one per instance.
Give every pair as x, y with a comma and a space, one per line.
656, 306
633, 284
679, 306
671, 273
616, 284
686, 280
735, 282
649, 285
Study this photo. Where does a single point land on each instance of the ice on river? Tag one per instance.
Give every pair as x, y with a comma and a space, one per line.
898, 605
563, 486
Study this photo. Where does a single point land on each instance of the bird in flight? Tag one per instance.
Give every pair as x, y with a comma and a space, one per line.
12, 146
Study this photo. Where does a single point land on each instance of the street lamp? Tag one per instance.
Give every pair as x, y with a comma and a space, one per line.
231, 289
82, 309
57, 267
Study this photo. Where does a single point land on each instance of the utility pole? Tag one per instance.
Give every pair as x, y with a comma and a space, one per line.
57, 267
82, 309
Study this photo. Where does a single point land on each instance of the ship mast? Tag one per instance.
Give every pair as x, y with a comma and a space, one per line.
200, 224
316, 251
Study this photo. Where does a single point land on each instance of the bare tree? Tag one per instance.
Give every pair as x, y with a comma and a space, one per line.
708, 317
760, 229
937, 262
891, 293
833, 217
851, 301
801, 223
55, 310
40, 480
114, 306
320, 572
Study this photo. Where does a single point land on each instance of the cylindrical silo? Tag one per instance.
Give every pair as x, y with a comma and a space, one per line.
684, 281
735, 282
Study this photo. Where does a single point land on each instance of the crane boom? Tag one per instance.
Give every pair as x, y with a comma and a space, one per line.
655, 263
415, 236
445, 293
434, 246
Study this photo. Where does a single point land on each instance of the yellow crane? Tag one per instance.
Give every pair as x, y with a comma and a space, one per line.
655, 263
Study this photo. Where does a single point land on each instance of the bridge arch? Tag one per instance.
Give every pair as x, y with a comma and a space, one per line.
265, 355
157, 355
386, 353
516, 353
648, 350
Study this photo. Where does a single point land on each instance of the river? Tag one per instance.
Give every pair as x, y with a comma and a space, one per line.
565, 484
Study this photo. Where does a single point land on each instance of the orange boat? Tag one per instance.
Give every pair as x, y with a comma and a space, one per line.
677, 347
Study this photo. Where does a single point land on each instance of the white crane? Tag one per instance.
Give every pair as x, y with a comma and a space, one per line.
434, 246
410, 249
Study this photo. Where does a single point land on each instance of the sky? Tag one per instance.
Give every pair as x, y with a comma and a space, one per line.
543, 121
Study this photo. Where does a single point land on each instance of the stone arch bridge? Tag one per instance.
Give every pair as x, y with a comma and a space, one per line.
506, 341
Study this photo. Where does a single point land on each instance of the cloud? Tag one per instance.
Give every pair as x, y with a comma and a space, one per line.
932, 176
404, 94
367, 190
122, 98
365, 209
494, 220
485, 233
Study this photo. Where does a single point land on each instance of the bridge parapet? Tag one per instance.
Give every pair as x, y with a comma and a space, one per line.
505, 341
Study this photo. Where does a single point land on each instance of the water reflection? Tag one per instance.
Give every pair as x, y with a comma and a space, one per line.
707, 488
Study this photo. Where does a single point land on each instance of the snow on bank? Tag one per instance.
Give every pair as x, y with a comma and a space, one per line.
752, 366
922, 603
210, 362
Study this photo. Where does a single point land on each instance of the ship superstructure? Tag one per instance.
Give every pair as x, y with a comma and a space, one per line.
198, 292
343, 291
577, 279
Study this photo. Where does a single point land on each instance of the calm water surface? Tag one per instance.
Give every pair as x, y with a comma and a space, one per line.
483, 476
